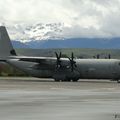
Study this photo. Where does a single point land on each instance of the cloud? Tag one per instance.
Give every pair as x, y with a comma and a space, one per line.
86, 18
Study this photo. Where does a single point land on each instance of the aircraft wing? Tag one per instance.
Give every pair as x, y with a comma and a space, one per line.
41, 60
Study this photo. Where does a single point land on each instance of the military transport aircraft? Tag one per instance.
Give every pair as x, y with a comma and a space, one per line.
58, 68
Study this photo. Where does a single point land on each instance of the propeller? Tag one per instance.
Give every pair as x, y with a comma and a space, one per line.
72, 62
58, 62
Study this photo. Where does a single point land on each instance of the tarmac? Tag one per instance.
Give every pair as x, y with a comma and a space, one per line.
43, 99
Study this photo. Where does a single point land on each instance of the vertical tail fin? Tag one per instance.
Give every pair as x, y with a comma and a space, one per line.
6, 48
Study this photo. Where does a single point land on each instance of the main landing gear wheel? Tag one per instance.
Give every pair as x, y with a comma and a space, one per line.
56, 80
118, 81
68, 80
75, 80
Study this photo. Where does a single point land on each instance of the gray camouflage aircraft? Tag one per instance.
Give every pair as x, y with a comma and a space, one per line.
58, 68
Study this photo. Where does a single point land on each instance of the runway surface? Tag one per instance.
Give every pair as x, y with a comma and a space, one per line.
44, 99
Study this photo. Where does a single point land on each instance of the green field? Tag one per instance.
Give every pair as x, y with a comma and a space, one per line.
78, 52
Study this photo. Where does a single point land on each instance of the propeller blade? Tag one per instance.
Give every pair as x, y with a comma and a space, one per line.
72, 62
56, 55
60, 55
72, 68
75, 65
72, 56
58, 62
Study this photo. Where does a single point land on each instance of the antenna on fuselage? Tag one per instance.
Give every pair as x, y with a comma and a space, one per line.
109, 56
98, 56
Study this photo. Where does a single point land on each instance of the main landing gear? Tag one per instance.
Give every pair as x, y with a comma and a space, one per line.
67, 80
118, 81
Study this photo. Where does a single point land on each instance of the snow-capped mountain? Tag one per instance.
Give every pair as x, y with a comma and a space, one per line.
44, 31
36, 32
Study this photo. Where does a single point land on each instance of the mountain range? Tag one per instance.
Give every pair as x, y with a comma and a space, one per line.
52, 36
102, 43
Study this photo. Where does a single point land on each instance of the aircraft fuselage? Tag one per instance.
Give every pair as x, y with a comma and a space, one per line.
86, 69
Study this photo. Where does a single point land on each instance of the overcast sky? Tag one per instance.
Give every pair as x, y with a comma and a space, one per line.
82, 18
